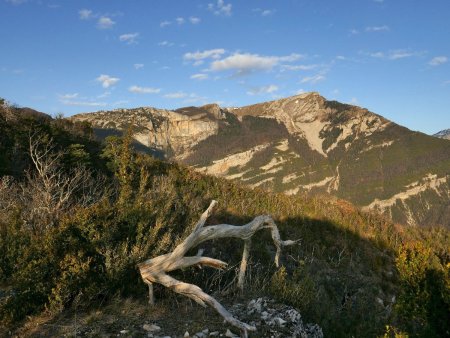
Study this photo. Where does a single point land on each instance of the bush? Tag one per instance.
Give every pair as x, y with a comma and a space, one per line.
424, 301
298, 290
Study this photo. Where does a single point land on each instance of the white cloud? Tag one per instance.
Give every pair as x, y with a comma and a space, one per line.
138, 66
298, 67
143, 90
354, 31
290, 58
194, 20
263, 90
130, 38
379, 1
177, 95
165, 44
16, 2
105, 22
195, 99
220, 8
120, 102
377, 55
199, 76
396, 54
400, 54
83, 103
180, 20
211, 53
383, 28
85, 14
244, 63
438, 60
107, 81
264, 12
105, 94
354, 100
164, 24
68, 96
313, 79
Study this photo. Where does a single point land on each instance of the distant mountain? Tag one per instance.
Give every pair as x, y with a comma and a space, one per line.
443, 134
303, 143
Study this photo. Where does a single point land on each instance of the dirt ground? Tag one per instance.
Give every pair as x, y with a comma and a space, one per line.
125, 318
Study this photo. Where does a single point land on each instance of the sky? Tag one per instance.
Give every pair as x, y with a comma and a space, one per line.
70, 56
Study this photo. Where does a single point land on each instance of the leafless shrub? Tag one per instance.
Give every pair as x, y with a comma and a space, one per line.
49, 190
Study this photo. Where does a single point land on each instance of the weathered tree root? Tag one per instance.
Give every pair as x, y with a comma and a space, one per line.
155, 270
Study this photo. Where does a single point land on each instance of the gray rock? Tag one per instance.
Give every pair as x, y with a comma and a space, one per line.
230, 334
151, 327
279, 319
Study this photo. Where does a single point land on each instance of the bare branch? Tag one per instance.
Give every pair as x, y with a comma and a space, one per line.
155, 270
52, 189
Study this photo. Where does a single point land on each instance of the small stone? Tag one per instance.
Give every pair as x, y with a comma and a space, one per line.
279, 321
124, 332
200, 335
186, 334
214, 334
230, 334
379, 301
151, 327
205, 331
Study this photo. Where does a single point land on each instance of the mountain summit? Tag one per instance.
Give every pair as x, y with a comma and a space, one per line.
302, 143
443, 134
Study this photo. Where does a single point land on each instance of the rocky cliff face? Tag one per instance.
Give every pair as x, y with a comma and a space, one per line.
304, 143
171, 132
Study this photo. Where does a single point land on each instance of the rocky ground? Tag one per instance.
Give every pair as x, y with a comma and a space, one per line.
171, 318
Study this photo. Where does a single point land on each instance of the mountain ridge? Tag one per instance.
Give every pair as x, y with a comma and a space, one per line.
303, 143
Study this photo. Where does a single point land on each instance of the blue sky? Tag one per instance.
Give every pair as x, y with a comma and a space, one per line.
390, 56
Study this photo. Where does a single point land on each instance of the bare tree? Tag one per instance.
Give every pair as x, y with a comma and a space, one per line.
51, 188
155, 270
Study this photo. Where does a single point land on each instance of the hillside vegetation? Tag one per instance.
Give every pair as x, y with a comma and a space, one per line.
76, 217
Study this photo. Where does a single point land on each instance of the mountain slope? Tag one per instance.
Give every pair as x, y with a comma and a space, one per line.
303, 143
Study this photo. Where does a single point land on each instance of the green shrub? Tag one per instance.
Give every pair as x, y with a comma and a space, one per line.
424, 301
